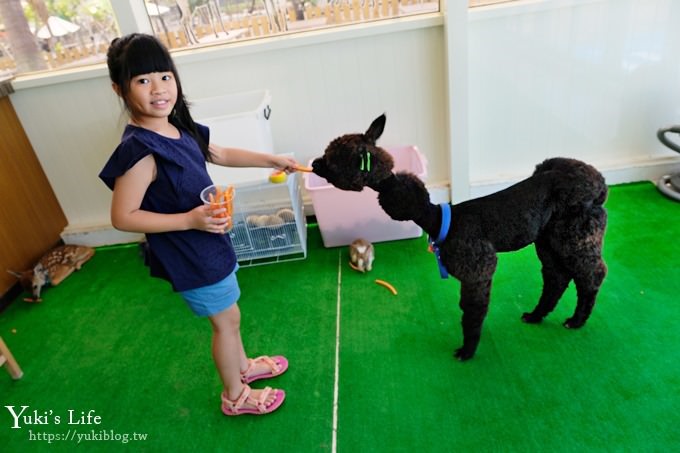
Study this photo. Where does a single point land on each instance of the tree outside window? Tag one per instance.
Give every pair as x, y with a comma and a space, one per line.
40, 35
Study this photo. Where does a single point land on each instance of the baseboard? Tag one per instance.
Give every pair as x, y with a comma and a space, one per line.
614, 173
97, 236
648, 170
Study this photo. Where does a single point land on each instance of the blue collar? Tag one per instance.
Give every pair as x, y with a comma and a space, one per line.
443, 231
446, 223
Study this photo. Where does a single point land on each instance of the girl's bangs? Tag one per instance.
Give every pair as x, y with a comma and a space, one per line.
146, 56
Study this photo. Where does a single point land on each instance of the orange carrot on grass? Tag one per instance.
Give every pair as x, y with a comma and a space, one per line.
351, 264
387, 285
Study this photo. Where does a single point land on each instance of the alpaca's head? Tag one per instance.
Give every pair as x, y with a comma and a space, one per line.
353, 161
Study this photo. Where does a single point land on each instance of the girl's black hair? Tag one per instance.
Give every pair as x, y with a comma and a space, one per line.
138, 53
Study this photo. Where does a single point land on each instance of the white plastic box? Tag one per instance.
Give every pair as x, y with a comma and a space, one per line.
344, 216
239, 120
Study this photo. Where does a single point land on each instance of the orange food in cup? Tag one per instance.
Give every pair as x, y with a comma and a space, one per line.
220, 197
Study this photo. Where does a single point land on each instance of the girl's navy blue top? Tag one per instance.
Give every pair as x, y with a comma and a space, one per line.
187, 259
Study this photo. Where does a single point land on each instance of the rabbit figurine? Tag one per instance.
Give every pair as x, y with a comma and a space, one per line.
361, 255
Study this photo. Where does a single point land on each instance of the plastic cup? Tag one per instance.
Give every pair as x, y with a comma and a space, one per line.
218, 196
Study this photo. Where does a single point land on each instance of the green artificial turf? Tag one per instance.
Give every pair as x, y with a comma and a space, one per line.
111, 340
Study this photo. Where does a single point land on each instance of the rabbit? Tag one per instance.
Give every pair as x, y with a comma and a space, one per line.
361, 255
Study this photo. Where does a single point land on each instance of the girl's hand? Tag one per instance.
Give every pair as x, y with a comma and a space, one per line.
284, 163
204, 218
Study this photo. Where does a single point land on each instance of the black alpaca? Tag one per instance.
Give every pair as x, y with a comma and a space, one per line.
559, 209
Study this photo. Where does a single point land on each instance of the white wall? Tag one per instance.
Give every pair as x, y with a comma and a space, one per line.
591, 79
321, 88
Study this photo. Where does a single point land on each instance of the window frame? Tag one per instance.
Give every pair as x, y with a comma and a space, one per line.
130, 20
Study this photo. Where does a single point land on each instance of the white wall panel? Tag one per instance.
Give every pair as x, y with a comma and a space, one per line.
72, 127
587, 79
318, 92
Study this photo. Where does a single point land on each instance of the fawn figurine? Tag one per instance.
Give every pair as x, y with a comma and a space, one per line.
53, 268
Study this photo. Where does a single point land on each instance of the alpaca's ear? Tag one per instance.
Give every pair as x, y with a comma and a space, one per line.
376, 128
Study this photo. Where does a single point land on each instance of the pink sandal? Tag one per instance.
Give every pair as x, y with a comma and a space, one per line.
278, 365
232, 408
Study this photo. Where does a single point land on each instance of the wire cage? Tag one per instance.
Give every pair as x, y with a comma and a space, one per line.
268, 222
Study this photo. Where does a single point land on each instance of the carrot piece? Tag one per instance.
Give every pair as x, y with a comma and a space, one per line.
303, 168
351, 264
387, 285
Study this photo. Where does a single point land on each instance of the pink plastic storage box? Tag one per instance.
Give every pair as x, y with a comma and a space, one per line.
344, 216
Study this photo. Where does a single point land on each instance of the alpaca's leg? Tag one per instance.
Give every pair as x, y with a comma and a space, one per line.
588, 282
583, 255
474, 301
555, 281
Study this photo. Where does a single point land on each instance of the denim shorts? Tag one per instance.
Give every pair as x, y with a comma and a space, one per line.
212, 299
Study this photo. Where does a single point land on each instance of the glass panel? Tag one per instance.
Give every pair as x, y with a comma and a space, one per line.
183, 23
43, 35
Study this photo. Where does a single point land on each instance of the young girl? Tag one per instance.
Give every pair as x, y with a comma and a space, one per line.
156, 174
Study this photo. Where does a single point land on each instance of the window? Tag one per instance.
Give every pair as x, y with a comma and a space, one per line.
43, 35
185, 23
46, 35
